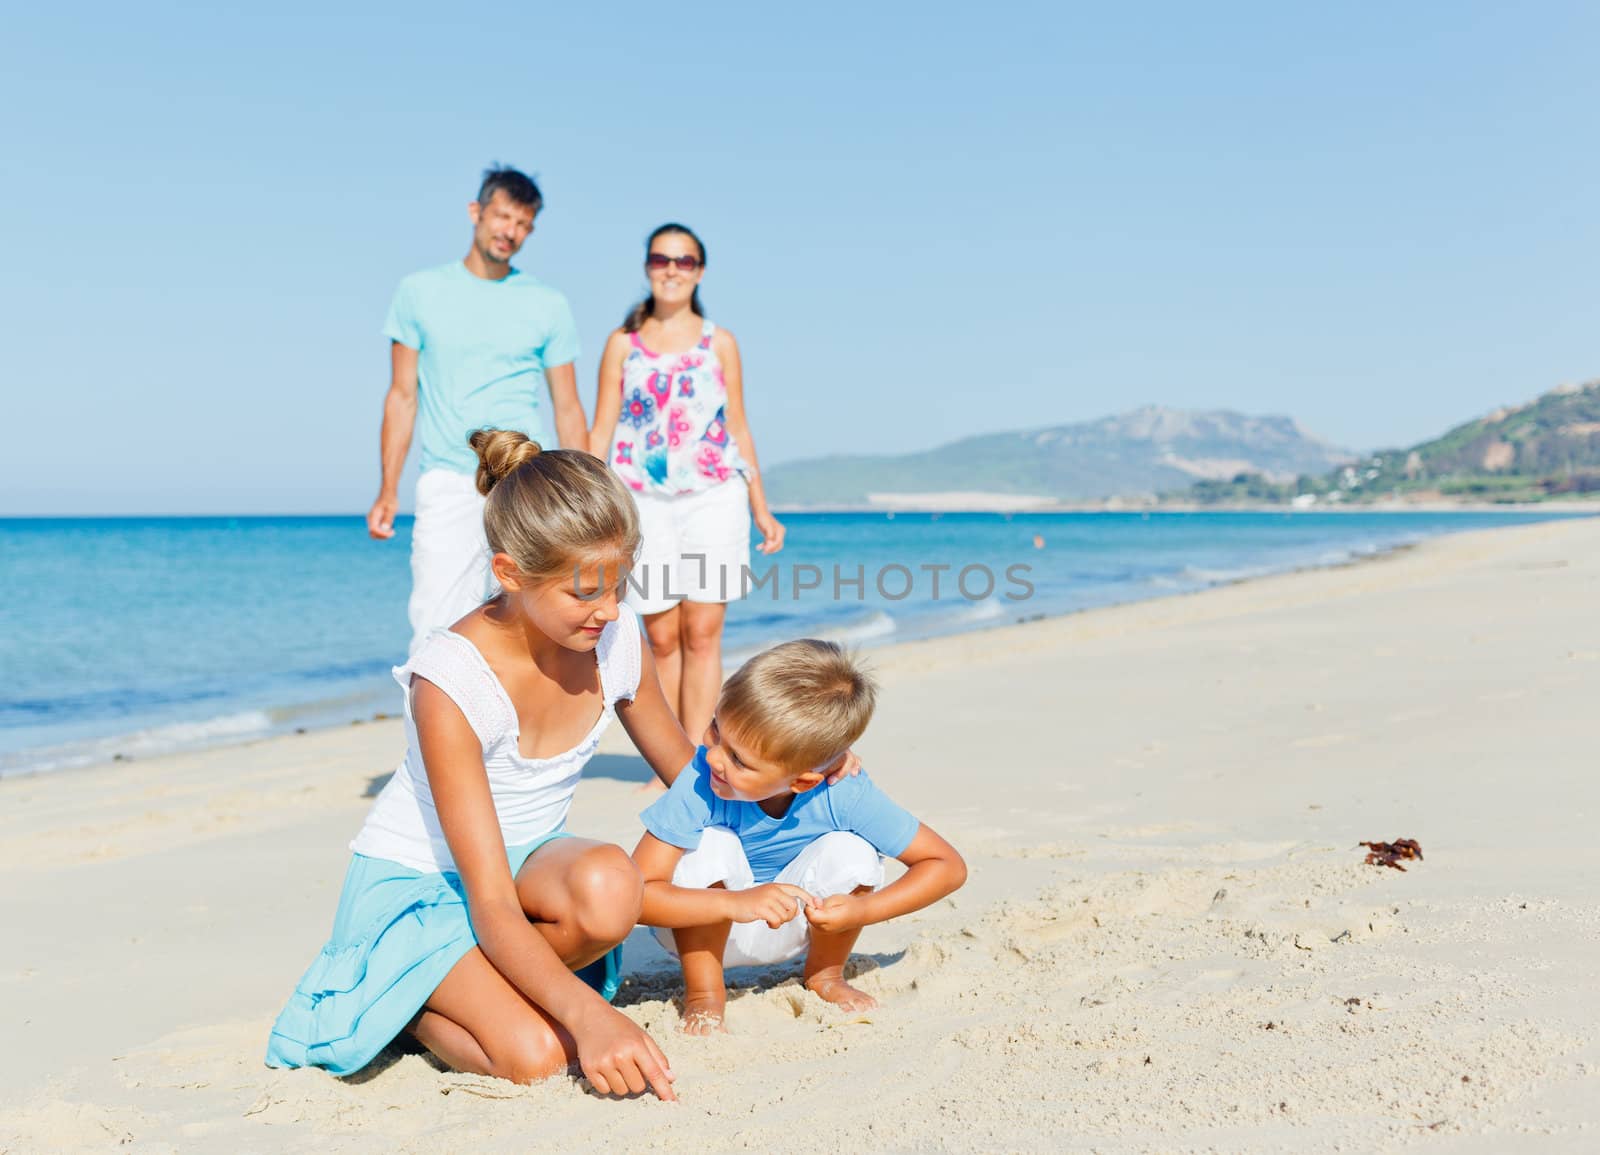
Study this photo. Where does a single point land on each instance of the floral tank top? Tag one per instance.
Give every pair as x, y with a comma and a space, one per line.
672, 437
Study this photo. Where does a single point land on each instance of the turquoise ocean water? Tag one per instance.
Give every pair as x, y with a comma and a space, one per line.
135, 636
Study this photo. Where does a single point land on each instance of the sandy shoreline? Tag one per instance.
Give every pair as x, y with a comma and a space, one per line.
1160, 802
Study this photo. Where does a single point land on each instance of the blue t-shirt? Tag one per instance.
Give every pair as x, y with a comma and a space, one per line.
852, 804
482, 350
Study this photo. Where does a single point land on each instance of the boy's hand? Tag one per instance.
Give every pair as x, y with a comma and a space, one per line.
840, 913
773, 903
849, 768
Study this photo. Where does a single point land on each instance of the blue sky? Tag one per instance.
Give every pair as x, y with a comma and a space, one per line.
923, 221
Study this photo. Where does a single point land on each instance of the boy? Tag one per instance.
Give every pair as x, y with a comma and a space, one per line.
778, 863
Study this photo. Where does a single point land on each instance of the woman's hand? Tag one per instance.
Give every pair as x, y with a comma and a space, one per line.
773, 903
619, 1058
849, 768
772, 531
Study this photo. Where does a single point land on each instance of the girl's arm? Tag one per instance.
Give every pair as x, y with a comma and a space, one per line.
936, 869
727, 350
606, 1039
608, 401
650, 722
678, 906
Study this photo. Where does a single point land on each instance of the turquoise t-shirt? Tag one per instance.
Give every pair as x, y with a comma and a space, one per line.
482, 349
852, 804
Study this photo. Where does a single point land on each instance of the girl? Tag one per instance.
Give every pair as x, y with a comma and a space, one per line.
467, 907
670, 420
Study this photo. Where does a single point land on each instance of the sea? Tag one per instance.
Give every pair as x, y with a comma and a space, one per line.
125, 638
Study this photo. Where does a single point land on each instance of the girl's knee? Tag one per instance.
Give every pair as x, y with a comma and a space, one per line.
530, 1055
607, 893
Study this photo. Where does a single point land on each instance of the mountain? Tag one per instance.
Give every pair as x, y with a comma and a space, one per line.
1137, 453
1549, 447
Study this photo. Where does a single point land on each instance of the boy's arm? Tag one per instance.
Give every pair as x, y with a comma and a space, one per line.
672, 907
935, 870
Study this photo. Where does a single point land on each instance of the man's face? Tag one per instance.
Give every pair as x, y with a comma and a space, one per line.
500, 227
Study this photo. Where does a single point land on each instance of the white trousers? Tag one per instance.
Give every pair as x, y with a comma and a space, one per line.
836, 863
450, 575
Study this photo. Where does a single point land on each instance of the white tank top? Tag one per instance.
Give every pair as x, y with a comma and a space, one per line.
531, 795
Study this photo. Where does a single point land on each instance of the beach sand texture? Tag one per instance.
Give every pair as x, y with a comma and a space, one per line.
1169, 941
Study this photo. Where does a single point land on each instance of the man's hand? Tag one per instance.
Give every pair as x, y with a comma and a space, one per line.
380, 518
840, 913
773, 903
619, 1057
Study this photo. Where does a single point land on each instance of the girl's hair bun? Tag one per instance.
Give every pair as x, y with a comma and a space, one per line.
499, 452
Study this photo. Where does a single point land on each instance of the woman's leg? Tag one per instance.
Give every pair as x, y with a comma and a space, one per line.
663, 630
476, 1021
701, 637
584, 897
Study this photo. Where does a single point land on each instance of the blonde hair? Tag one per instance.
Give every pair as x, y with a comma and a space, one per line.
802, 703
551, 511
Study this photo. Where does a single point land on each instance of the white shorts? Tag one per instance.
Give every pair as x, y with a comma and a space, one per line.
696, 546
836, 863
450, 574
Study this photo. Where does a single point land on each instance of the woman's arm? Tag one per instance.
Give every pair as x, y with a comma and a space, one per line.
678, 906
727, 350
650, 722
608, 400
935, 870
453, 757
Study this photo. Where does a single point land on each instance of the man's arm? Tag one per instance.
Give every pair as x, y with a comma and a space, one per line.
572, 428
394, 441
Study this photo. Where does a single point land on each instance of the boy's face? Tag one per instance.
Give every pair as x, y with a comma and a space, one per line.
740, 774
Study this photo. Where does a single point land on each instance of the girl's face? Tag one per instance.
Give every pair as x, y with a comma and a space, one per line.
671, 283
571, 610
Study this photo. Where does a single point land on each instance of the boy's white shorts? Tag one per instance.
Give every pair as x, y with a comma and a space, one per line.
693, 547
836, 863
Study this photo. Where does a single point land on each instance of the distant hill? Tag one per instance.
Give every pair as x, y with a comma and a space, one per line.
1142, 452
1549, 447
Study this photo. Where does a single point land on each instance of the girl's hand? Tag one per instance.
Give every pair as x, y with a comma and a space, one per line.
618, 1057
773, 903
772, 531
840, 913
849, 768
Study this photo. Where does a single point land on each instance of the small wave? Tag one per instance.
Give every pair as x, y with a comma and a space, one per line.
1217, 577
140, 743
877, 624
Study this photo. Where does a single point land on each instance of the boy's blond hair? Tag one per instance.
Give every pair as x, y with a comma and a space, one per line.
802, 703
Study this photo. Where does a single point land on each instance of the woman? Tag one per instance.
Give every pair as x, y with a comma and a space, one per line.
670, 421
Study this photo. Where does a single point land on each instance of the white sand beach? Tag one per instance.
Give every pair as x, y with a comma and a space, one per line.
1169, 941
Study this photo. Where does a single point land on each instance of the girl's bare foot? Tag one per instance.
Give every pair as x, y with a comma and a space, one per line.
702, 1014
830, 986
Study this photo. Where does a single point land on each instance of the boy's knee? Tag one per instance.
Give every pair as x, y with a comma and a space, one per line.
845, 862
607, 894
719, 858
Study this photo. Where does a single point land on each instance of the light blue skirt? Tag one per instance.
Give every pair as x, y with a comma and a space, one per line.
396, 935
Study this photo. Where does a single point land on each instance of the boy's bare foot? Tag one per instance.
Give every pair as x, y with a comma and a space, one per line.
830, 986
702, 1014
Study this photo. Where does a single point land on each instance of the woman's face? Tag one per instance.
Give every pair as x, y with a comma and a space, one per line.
670, 282
573, 609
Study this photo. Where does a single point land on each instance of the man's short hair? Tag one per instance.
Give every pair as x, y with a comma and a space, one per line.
516, 185
802, 703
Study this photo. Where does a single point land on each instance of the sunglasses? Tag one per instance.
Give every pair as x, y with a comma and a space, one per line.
658, 261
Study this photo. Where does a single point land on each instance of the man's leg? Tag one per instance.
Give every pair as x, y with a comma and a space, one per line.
450, 574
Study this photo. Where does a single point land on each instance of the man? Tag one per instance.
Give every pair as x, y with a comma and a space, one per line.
469, 343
